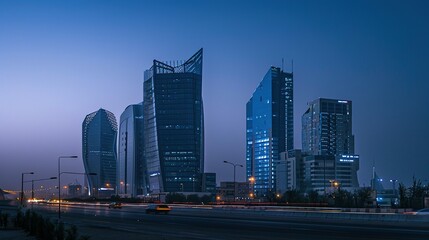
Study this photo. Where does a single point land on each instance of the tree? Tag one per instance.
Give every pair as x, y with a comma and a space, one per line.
416, 194
313, 196
175, 197
193, 198
292, 196
403, 196
342, 198
363, 197
206, 199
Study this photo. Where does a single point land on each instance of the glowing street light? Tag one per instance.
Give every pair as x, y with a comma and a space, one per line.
59, 183
65, 187
32, 186
235, 165
252, 184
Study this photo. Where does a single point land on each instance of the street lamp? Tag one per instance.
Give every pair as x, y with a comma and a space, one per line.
22, 186
59, 184
32, 186
59, 187
393, 181
235, 165
335, 184
252, 184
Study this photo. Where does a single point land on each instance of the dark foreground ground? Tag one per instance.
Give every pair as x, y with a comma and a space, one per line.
131, 222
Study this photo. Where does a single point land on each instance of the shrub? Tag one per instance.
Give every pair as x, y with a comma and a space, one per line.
4, 218
60, 231
48, 230
19, 219
71, 233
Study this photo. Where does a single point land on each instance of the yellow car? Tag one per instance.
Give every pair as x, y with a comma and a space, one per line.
158, 208
115, 205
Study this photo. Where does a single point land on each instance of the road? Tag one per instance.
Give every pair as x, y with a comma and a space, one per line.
131, 222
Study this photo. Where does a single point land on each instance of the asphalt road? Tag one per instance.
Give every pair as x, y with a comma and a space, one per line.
131, 222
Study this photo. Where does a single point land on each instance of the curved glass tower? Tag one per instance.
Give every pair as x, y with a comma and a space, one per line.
174, 125
130, 167
99, 132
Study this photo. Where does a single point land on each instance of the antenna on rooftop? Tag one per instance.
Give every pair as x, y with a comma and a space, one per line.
292, 65
283, 60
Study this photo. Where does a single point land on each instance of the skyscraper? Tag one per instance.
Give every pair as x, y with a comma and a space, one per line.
99, 132
327, 127
269, 128
174, 125
131, 166
328, 141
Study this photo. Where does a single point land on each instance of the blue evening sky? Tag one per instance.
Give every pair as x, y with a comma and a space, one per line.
60, 60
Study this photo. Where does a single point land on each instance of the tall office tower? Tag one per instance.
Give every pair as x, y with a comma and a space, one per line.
269, 128
328, 140
327, 127
174, 125
99, 132
131, 179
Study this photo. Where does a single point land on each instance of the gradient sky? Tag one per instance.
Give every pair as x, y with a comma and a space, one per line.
60, 60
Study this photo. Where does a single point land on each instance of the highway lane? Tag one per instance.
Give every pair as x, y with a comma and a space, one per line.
131, 222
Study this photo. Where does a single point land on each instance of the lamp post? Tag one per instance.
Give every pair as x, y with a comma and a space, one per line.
393, 181
32, 186
59, 187
22, 186
235, 165
252, 183
59, 183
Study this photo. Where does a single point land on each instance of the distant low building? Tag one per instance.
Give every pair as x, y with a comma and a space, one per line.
324, 173
209, 182
227, 191
74, 190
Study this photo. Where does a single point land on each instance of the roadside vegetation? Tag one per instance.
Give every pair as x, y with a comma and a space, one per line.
43, 228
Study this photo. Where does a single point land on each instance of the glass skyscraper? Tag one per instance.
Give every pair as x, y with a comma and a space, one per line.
174, 125
269, 128
327, 127
131, 166
328, 141
99, 132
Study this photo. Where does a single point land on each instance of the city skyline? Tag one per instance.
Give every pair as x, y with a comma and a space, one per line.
61, 61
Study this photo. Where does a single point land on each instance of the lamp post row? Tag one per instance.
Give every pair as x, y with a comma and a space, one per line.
32, 186
43, 179
59, 181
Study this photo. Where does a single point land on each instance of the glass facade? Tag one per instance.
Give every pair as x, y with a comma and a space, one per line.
174, 125
209, 182
269, 128
327, 127
327, 137
131, 166
321, 171
99, 132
